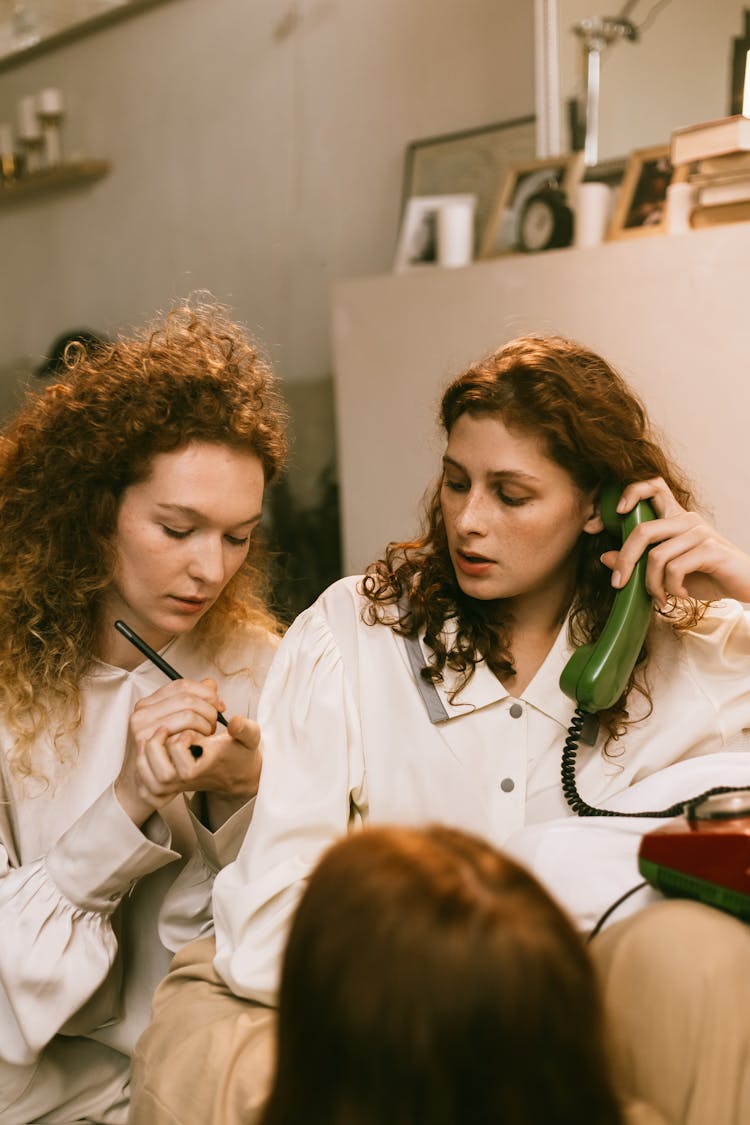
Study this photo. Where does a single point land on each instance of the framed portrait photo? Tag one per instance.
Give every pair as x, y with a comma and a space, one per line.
422, 238
474, 161
554, 175
641, 205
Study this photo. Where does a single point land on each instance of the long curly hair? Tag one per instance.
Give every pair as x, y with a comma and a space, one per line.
592, 425
65, 461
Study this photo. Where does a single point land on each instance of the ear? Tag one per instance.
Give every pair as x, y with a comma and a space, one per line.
594, 524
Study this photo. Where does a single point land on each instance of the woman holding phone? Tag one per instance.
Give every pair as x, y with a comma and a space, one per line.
130, 491
428, 690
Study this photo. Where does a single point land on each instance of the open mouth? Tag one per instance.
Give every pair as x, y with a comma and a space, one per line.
474, 560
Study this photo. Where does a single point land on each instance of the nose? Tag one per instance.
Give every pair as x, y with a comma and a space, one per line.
206, 564
471, 518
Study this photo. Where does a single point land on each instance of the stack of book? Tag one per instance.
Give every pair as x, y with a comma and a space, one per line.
718, 156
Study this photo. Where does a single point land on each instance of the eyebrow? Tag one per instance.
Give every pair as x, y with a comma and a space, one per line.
496, 474
194, 514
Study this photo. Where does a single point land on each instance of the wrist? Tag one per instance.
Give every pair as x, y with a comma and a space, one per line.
218, 808
136, 806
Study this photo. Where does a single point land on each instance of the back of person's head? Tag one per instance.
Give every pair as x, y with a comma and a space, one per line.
590, 421
430, 980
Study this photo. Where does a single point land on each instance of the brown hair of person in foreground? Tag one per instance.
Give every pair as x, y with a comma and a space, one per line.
431, 980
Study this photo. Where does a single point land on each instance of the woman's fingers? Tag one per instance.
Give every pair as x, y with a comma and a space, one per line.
656, 490
230, 762
162, 768
687, 556
647, 535
181, 705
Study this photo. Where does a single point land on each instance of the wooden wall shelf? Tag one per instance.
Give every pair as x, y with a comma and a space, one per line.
71, 174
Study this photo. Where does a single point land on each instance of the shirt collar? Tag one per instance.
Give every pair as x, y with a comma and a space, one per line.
484, 688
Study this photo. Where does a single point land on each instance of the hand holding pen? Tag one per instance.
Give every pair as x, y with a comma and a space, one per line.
178, 747
161, 663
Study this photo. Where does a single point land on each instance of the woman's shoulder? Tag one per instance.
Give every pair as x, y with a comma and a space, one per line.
243, 645
338, 606
720, 635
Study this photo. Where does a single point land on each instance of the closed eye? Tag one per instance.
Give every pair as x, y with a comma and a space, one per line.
233, 540
511, 501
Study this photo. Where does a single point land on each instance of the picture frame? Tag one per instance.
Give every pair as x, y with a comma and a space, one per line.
640, 209
740, 47
419, 237
469, 161
522, 181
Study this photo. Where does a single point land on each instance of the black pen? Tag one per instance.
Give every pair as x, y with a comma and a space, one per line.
154, 657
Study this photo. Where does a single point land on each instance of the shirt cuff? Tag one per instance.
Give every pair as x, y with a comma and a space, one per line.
221, 847
96, 862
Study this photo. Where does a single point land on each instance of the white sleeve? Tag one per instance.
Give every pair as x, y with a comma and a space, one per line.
57, 944
186, 912
312, 773
717, 650
587, 863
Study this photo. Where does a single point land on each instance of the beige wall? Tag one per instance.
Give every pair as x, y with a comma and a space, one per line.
676, 73
257, 148
669, 312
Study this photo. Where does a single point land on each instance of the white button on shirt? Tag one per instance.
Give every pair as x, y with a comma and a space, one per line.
347, 738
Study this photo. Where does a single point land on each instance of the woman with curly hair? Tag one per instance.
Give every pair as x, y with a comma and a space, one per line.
429, 690
130, 490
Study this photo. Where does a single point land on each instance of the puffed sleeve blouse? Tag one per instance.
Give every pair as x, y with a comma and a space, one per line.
91, 907
351, 735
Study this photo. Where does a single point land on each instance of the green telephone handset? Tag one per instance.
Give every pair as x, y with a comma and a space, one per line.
597, 673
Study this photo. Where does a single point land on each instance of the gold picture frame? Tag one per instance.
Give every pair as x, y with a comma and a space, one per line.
472, 160
522, 180
640, 209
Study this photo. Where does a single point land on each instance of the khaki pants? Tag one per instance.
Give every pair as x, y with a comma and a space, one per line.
676, 981
207, 1057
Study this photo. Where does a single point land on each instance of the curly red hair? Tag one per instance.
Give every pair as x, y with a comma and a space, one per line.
592, 425
65, 461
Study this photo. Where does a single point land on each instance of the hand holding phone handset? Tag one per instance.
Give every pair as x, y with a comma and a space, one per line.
597, 674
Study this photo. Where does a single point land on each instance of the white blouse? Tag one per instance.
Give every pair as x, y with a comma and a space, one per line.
91, 907
348, 739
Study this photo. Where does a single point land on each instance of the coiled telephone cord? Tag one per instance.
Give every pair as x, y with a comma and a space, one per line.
579, 806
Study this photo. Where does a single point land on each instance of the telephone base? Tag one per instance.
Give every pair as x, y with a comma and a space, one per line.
681, 885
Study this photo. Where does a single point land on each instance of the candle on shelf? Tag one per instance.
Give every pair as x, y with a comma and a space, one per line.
49, 108
50, 102
746, 88
7, 158
30, 132
29, 128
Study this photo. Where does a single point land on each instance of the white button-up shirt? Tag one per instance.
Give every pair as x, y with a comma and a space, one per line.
348, 739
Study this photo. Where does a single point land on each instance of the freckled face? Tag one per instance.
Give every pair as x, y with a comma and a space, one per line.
512, 516
181, 535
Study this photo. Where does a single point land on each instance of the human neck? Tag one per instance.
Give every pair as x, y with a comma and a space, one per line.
115, 649
535, 622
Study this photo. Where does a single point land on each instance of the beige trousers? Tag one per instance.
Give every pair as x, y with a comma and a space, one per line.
676, 981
